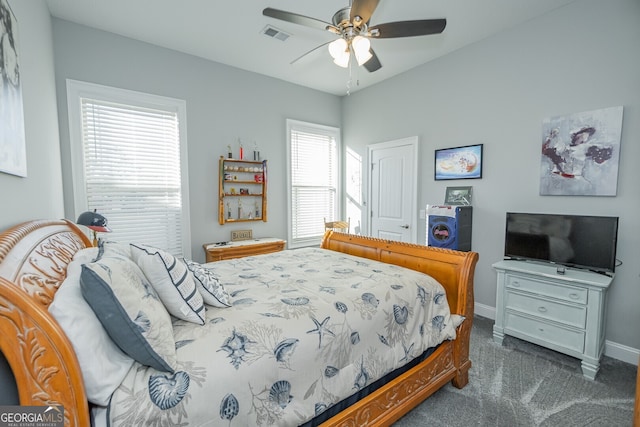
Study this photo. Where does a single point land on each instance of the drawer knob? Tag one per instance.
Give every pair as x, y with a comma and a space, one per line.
573, 295
516, 283
542, 309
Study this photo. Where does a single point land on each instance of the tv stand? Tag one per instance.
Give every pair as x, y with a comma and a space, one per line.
563, 312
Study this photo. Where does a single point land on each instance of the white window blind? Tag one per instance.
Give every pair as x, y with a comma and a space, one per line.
131, 156
314, 177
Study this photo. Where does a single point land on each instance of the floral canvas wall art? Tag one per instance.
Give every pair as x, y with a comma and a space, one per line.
580, 153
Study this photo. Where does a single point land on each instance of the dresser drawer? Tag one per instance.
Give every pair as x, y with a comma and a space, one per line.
545, 332
550, 289
572, 315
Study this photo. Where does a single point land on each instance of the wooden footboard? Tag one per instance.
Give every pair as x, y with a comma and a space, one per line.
450, 362
33, 263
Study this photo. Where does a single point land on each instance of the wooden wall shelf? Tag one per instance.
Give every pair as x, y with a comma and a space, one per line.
242, 190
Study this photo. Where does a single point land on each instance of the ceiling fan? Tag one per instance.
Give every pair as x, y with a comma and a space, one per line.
351, 24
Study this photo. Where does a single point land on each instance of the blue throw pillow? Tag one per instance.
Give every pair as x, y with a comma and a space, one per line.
130, 311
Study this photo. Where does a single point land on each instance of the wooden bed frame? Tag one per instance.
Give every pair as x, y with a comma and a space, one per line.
33, 261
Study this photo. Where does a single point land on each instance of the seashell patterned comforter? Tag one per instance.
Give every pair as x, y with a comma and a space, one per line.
308, 328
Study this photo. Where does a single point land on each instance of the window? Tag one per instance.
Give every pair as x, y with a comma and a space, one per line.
313, 158
129, 164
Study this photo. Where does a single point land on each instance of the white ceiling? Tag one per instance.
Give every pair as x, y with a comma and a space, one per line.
230, 32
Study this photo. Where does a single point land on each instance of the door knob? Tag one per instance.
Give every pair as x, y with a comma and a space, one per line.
405, 226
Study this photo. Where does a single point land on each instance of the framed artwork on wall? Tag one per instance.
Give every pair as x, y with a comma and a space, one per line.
459, 162
580, 153
458, 196
13, 151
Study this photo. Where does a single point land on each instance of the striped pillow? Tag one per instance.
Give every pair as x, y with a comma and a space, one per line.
172, 281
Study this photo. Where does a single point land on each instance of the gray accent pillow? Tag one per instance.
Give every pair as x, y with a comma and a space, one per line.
103, 364
130, 311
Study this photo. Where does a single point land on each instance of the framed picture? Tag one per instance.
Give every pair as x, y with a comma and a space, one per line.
581, 153
13, 151
459, 162
458, 196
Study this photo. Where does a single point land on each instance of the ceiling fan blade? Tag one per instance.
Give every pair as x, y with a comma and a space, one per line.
373, 64
298, 19
421, 27
308, 52
364, 9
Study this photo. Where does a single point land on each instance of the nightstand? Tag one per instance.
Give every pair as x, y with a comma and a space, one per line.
242, 248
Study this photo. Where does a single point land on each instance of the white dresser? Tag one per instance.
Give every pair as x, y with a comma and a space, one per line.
563, 312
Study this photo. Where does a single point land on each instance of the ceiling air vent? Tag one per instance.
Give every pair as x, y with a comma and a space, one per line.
275, 33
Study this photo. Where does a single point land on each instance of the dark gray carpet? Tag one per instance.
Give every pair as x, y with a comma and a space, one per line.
521, 384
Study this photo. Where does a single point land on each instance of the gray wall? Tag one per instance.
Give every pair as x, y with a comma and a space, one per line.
581, 57
223, 103
43, 183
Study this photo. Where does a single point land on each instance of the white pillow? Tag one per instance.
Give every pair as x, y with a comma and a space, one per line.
212, 291
172, 281
110, 248
102, 363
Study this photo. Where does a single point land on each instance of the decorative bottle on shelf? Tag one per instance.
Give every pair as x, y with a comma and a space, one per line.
241, 149
256, 153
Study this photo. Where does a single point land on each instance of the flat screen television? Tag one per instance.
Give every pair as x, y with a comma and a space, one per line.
578, 241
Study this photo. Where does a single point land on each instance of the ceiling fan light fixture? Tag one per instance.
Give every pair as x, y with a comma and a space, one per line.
362, 49
339, 51
338, 47
351, 25
342, 60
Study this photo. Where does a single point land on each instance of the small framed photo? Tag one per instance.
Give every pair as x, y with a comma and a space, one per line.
459, 162
458, 196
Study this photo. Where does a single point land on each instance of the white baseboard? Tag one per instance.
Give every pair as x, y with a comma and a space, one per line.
621, 352
485, 311
611, 349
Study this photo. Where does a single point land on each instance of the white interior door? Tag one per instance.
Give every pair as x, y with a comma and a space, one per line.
393, 190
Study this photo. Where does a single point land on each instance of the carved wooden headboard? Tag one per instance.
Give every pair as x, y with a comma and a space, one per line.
33, 263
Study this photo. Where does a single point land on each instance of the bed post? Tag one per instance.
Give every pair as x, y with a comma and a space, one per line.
466, 302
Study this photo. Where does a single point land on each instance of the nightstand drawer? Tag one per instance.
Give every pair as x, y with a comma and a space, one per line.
572, 315
554, 290
545, 332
